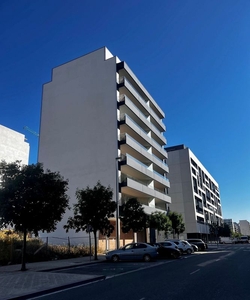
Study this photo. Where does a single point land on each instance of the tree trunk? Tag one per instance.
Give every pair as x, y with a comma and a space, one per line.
95, 246
145, 234
23, 268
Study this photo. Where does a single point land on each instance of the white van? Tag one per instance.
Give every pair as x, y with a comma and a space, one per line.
244, 239
227, 240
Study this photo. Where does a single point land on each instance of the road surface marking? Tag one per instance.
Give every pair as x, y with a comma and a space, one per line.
195, 272
215, 260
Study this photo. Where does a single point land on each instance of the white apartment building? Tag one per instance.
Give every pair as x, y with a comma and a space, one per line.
244, 227
13, 146
236, 227
98, 122
194, 192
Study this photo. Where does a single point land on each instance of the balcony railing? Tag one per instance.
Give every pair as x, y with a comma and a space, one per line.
143, 101
160, 160
123, 137
149, 139
137, 161
145, 166
153, 158
125, 66
124, 179
134, 108
124, 116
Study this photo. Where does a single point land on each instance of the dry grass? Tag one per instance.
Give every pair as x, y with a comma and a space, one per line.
11, 249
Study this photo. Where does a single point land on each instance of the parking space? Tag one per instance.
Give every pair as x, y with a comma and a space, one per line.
112, 269
109, 269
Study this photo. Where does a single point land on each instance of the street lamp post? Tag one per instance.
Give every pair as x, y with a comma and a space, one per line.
117, 205
216, 228
207, 226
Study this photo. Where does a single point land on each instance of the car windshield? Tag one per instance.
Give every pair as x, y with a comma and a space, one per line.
130, 246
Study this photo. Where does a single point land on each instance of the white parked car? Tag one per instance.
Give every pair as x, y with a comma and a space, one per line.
133, 251
184, 246
169, 244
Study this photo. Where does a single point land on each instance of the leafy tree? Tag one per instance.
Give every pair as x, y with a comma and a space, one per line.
133, 216
214, 228
160, 221
178, 225
31, 199
93, 209
235, 234
224, 230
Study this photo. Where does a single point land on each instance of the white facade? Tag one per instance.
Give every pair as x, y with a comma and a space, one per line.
94, 111
194, 192
244, 227
13, 146
236, 227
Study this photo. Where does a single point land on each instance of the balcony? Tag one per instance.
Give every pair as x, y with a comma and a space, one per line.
128, 107
128, 125
136, 169
125, 71
144, 103
130, 186
128, 145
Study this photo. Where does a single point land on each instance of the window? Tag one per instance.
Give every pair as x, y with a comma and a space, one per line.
130, 246
140, 246
200, 220
199, 207
195, 185
193, 163
166, 244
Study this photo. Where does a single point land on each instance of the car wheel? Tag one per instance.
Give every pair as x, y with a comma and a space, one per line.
147, 258
115, 258
174, 255
189, 251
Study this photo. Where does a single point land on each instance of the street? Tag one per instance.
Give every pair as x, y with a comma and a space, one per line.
222, 274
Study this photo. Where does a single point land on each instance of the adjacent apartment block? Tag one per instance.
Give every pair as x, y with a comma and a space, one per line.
236, 227
230, 223
13, 146
194, 192
244, 227
98, 122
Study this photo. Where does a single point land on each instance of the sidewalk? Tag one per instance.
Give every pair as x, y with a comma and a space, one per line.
15, 284
213, 246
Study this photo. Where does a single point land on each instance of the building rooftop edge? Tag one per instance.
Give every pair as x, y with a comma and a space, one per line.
176, 147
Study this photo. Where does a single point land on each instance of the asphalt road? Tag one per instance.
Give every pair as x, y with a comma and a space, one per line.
214, 275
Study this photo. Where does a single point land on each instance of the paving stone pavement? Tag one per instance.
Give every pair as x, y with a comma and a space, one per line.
15, 284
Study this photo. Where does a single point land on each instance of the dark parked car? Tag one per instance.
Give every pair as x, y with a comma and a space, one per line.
194, 247
199, 243
169, 252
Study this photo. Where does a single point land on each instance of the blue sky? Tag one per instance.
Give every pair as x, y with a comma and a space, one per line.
192, 56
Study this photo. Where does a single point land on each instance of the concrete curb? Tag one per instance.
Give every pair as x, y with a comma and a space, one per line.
75, 266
